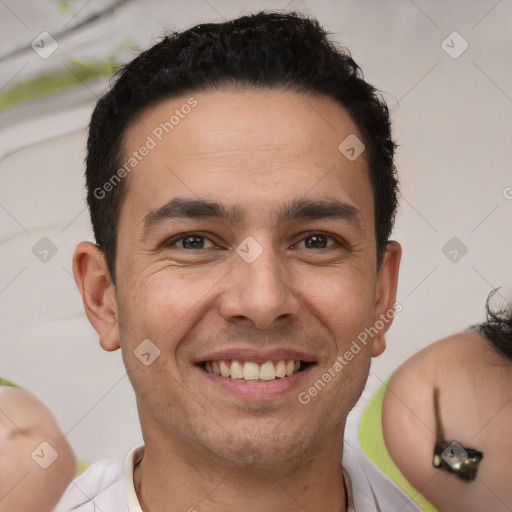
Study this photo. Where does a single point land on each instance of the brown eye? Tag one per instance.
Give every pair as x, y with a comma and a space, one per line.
317, 241
193, 241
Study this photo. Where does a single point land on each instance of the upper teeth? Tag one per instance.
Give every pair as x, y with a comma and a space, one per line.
250, 370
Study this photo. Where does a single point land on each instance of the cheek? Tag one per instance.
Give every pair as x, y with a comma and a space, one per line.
162, 306
343, 300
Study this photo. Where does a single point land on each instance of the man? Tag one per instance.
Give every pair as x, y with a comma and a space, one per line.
242, 192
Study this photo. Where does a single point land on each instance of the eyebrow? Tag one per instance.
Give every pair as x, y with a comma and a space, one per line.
298, 209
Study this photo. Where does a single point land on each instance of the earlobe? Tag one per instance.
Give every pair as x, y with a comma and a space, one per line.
97, 291
385, 295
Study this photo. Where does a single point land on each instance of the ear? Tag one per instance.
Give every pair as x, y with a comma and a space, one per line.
98, 293
385, 295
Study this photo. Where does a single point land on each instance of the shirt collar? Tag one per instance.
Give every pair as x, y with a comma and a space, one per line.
348, 491
131, 461
135, 456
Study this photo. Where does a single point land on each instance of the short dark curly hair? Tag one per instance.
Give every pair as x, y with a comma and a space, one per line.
497, 328
264, 50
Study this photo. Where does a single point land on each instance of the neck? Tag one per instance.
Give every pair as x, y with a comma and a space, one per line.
174, 477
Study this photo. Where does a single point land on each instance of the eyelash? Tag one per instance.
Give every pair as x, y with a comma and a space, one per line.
172, 241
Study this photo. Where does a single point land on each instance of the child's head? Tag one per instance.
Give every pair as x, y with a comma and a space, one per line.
37, 463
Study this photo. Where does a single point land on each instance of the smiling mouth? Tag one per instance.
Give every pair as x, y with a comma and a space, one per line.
252, 371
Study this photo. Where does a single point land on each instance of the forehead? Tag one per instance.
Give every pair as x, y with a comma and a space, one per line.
254, 148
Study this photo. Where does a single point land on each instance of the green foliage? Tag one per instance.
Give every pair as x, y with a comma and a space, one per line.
75, 72
5, 382
64, 5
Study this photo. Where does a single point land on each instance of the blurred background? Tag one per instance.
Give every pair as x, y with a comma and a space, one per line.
442, 68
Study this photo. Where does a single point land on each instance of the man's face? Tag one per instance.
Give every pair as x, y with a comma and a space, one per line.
271, 284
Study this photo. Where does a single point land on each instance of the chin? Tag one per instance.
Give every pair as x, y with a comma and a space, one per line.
251, 455
258, 449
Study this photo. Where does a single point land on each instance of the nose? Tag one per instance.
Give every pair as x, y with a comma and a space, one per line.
261, 292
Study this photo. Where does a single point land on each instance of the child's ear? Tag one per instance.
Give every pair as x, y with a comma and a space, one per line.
98, 293
385, 295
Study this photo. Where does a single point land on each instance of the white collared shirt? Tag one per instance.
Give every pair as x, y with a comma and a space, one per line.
106, 486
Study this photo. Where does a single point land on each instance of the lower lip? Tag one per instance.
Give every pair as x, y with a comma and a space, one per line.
257, 389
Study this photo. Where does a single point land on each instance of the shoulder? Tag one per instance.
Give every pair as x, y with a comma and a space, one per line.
100, 487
